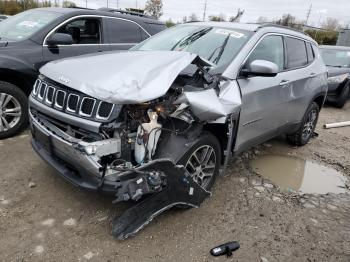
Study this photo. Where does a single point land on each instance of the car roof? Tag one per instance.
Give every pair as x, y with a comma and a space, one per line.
335, 47
242, 26
83, 11
254, 27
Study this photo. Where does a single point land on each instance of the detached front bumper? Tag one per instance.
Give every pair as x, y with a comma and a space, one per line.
69, 163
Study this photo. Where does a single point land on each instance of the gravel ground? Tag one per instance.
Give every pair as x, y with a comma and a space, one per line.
44, 218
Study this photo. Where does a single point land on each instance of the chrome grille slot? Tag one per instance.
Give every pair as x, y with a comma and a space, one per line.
59, 101
42, 90
72, 103
49, 95
87, 106
104, 110
36, 87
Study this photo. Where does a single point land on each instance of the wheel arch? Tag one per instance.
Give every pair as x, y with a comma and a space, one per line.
16, 78
320, 100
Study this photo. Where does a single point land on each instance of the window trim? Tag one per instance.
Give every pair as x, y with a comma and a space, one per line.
283, 35
90, 16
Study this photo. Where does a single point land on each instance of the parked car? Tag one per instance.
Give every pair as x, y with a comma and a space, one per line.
337, 59
3, 17
191, 96
32, 38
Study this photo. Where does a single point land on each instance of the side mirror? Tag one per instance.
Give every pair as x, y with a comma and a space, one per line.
60, 39
261, 68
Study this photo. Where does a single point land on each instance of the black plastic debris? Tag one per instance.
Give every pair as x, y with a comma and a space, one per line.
180, 189
225, 249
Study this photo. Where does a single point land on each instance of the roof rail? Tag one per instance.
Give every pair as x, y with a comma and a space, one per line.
111, 10
280, 26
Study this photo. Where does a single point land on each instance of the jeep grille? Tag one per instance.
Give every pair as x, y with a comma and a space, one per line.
72, 102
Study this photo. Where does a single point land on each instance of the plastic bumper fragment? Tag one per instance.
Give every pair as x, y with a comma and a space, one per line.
180, 189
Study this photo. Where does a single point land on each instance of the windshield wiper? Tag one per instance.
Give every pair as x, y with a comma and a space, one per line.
191, 38
335, 66
222, 48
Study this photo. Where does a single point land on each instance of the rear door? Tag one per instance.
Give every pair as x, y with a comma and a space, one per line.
263, 98
123, 34
88, 36
302, 74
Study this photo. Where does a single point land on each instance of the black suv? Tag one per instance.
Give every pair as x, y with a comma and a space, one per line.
337, 59
32, 38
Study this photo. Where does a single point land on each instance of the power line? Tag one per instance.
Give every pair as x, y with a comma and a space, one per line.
308, 14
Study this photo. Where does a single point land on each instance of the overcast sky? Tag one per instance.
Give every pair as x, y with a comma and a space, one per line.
272, 9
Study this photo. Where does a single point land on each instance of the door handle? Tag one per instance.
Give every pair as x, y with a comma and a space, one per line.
313, 75
284, 82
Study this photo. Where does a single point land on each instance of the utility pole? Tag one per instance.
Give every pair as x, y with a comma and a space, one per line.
205, 10
308, 14
117, 4
86, 3
107, 3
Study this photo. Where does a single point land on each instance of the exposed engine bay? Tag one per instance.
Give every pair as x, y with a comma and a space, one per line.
122, 151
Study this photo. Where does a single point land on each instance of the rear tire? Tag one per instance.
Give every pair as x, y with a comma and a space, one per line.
13, 110
343, 96
306, 130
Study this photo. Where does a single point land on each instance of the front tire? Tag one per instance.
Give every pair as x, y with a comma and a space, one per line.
203, 160
13, 110
306, 130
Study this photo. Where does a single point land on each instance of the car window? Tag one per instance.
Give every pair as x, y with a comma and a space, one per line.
83, 31
153, 28
216, 44
271, 49
296, 53
310, 53
337, 58
121, 31
25, 24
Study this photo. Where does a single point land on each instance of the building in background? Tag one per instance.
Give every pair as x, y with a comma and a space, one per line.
344, 37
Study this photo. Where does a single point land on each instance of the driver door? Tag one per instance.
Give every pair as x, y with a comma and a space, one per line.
87, 35
263, 98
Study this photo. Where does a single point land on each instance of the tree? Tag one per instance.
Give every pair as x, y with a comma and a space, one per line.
10, 7
217, 18
28, 4
262, 19
68, 4
169, 23
323, 37
290, 21
331, 24
237, 17
193, 17
46, 3
154, 8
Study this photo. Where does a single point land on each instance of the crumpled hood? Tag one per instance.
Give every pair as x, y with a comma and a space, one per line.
120, 77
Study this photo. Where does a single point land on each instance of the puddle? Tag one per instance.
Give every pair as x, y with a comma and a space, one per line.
299, 175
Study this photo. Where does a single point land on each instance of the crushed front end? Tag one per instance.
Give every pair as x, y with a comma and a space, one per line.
123, 148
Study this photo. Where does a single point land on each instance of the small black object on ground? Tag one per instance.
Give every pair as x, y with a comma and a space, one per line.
225, 249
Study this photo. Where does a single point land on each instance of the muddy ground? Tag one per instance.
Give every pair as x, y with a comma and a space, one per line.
44, 218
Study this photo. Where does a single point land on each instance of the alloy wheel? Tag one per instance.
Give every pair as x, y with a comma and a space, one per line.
309, 125
10, 112
201, 165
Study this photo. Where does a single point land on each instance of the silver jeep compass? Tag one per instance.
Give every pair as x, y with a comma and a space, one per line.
157, 123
